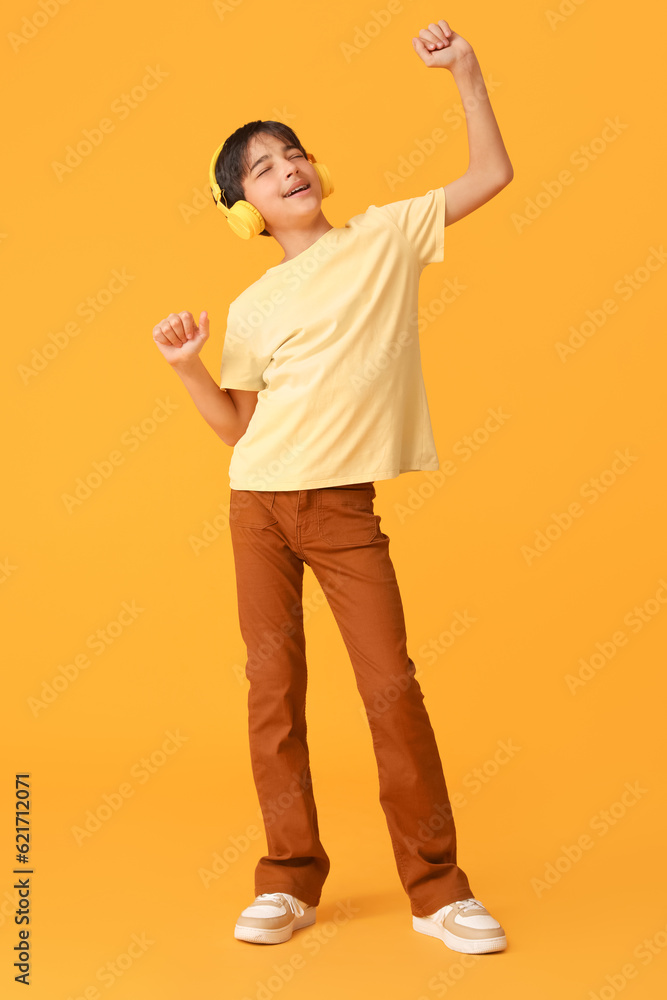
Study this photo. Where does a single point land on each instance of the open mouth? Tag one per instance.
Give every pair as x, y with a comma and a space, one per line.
302, 188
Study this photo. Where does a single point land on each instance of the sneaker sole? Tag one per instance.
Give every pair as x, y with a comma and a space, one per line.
274, 935
468, 946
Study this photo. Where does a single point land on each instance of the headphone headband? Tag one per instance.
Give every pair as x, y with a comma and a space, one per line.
215, 187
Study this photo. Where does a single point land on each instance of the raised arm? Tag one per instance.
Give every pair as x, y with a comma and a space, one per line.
489, 168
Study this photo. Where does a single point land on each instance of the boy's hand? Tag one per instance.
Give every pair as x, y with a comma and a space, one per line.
440, 47
179, 338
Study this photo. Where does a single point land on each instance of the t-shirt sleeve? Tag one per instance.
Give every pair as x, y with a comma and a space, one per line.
241, 366
421, 220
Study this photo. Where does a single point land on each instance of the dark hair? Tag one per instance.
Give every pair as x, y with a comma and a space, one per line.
232, 164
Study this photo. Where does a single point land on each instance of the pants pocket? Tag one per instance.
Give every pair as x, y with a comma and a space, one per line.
252, 508
345, 515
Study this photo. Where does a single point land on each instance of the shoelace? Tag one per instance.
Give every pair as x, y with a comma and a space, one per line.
463, 904
292, 901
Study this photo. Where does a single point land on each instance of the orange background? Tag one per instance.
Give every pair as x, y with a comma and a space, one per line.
582, 258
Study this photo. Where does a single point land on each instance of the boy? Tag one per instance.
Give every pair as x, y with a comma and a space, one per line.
321, 393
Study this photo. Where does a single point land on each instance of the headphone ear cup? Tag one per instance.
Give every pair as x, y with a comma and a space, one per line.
325, 179
245, 220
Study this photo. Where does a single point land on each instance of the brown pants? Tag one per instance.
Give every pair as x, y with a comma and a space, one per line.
337, 533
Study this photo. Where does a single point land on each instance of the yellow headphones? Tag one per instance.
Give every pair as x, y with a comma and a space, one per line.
244, 218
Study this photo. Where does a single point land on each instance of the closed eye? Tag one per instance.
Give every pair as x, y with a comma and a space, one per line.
291, 158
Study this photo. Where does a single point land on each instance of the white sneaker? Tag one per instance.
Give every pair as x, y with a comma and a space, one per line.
465, 925
272, 917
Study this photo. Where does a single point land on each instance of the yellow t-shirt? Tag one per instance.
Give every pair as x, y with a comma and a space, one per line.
330, 339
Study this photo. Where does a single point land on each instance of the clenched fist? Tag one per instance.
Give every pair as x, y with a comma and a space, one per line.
178, 336
440, 47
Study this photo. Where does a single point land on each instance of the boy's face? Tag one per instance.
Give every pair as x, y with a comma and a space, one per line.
267, 183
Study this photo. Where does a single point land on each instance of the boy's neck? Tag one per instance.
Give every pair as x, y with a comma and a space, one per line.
296, 241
